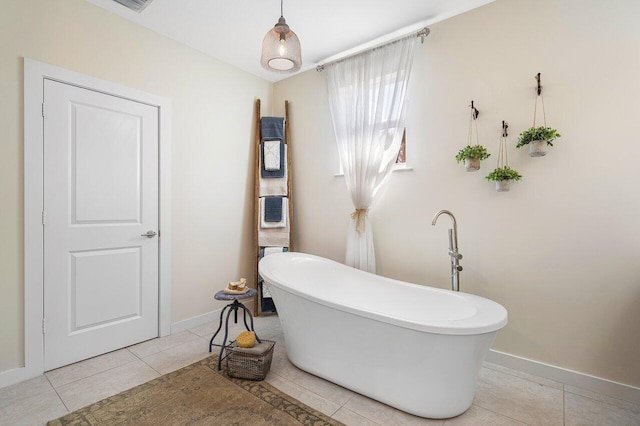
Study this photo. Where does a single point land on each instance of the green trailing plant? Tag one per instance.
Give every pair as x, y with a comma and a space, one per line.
537, 134
475, 151
504, 173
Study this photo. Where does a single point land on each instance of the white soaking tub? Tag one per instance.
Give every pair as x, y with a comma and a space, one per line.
413, 347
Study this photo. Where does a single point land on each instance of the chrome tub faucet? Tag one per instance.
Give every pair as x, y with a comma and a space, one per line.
453, 249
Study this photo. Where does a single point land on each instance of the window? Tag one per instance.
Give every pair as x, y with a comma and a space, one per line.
402, 154
401, 159
383, 116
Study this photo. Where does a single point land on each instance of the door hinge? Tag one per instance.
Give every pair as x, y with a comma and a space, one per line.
44, 218
44, 110
44, 328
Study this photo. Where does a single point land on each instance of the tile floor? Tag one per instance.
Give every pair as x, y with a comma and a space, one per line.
504, 397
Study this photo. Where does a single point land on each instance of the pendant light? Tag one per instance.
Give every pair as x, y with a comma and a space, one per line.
281, 48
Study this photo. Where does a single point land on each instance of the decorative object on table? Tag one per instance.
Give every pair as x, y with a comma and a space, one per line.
472, 155
503, 175
541, 137
281, 48
198, 394
250, 363
237, 287
246, 339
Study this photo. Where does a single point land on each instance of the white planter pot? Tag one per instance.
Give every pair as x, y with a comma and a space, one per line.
503, 185
538, 148
472, 164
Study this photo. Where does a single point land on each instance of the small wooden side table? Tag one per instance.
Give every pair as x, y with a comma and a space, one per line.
232, 307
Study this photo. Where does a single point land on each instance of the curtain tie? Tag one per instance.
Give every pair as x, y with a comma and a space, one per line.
359, 215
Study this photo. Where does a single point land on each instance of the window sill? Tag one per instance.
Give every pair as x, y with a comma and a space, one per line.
401, 168
396, 168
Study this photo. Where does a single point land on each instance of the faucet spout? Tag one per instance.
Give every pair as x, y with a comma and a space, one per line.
454, 243
453, 249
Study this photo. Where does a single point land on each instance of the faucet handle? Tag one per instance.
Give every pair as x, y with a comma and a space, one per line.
455, 254
458, 268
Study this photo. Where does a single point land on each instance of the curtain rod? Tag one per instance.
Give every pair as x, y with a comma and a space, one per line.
423, 33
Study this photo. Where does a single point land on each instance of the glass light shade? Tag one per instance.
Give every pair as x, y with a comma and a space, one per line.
281, 49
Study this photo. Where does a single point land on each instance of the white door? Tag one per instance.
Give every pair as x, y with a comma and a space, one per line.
100, 196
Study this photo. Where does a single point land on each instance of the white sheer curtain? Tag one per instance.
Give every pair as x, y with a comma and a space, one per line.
367, 100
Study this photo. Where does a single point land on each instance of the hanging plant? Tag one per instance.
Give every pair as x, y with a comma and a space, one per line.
538, 138
503, 175
472, 155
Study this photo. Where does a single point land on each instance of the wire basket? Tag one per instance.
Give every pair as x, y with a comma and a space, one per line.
250, 363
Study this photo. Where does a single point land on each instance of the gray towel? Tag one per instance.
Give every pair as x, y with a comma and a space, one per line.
267, 174
273, 209
272, 128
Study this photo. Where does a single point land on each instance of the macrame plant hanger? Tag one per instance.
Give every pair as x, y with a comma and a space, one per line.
473, 117
503, 160
538, 138
535, 106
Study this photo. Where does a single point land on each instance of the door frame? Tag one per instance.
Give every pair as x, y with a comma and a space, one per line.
34, 75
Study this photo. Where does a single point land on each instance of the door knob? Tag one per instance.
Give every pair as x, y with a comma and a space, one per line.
149, 234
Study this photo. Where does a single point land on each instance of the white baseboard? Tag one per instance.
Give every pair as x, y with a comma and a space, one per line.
568, 377
11, 377
195, 321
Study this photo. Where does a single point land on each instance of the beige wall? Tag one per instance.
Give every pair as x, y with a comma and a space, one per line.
560, 251
212, 134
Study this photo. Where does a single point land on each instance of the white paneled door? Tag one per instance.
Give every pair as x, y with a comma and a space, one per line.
100, 223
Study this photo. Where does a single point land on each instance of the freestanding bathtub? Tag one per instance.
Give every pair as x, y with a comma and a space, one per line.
413, 347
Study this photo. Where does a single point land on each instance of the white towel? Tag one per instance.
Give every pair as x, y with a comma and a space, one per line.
285, 212
271, 155
272, 250
273, 236
265, 290
274, 186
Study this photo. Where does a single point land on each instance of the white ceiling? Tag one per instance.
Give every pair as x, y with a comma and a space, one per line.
232, 30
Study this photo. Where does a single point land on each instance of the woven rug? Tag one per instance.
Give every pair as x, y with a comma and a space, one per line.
198, 395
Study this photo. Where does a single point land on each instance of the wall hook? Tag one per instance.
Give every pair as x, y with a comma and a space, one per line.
538, 79
474, 111
505, 126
